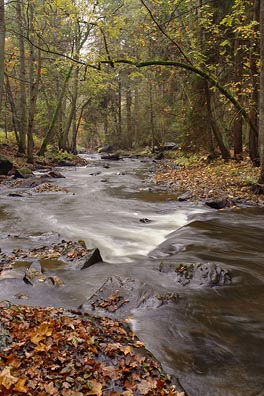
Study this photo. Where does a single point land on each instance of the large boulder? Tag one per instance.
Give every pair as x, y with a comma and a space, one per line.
170, 146
105, 149
5, 165
23, 173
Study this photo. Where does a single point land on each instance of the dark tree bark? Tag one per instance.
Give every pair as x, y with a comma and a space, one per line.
2, 49
22, 81
261, 99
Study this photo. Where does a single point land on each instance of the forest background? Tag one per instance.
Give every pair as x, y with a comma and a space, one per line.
133, 73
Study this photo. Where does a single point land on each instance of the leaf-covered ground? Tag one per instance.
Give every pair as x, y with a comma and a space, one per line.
48, 351
231, 180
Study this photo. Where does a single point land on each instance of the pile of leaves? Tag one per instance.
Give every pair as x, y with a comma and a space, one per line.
203, 180
48, 351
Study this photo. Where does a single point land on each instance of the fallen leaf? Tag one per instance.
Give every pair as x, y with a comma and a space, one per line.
20, 386
7, 379
126, 349
147, 385
51, 389
96, 389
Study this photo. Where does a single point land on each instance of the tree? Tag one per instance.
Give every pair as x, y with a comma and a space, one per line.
2, 48
261, 96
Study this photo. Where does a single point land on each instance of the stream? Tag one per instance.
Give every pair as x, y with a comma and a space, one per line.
210, 338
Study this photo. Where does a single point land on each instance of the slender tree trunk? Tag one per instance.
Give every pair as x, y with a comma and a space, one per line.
210, 143
2, 49
75, 132
151, 118
237, 133
33, 90
119, 103
129, 117
22, 82
12, 107
254, 58
50, 131
261, 99
70, 122
216, 132
238, 124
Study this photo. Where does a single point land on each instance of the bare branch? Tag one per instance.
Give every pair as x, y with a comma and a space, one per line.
164, 33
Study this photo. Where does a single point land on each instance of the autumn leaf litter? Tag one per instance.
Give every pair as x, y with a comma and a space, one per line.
48, 351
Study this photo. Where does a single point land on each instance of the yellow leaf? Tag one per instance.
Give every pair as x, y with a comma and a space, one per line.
96, 389
36, 338
20, 386
139, 344
6, 379
126, 349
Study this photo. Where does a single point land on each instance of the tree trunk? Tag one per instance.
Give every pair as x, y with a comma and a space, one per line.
237, 133
151, 118
50, 131
75, 132
13, 108
22, 82
129, 117
254, 58
64, 143
119, 103
2, 49
261, 98
216, 132
33, 90
238, 124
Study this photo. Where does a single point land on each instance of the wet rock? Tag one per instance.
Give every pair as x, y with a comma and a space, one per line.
111, 157
92, 257
145, 221
16, 195
217, 203
55, 175
65, 163
105, 149
95, 173
23, 173
170, 146
200, 274
185, 196
118, 296
159, 156
34, 275
5, 166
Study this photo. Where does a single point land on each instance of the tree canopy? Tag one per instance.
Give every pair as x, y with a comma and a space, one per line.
132, 74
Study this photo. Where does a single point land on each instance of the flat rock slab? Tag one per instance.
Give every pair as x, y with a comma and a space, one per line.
198, 274
119, 296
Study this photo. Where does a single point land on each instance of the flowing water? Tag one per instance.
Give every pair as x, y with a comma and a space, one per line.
212, 339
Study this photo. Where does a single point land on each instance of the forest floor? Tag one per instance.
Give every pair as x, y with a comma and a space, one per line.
51, 351
231, 183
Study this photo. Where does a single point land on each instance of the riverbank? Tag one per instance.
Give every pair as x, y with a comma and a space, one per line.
228, 183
